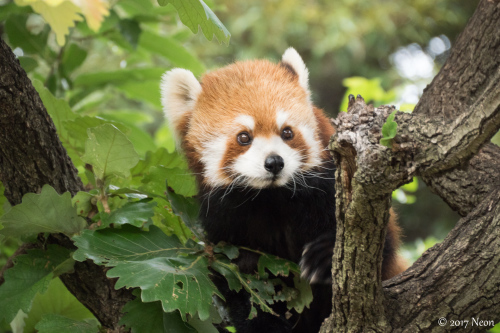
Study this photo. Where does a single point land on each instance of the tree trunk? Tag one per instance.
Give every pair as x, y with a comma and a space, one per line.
32, 155
459, 278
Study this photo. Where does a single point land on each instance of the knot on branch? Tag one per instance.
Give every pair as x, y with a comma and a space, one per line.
357, 149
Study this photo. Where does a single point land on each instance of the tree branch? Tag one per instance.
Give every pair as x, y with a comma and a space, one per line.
460, 109
465, 187
457, 114
32, 155
457, 279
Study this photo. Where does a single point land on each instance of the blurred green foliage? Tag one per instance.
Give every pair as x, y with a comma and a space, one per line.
337, 39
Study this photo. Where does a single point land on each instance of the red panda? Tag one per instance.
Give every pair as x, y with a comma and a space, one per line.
258, 147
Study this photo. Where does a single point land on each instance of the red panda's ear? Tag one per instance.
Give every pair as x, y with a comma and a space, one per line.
179, 91
293, 59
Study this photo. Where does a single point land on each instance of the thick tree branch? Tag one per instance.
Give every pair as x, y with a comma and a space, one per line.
465, 187
32, 155
457, 279
457, 114
460, 109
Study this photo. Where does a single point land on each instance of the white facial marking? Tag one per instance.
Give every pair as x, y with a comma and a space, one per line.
313, 144
251, 163
212, 155
281, 118
246, 121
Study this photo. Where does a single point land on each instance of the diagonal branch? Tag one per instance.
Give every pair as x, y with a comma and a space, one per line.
460, 109
465, 187
457, 279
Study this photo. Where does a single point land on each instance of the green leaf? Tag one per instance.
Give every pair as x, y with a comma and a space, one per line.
77, 130
231, 251
204, 326
130, 30
261, 292
276, 265
73, 57
172, 51
496, 139
149, 317
143, 317
145, 10
229, 271
389, 130
495, 329
181, 181
164, 138
160, 157
30, 275
194, 13
111, 247
60, 16
152, 261
44, 212
57, 300
109, 151
11, 8
58, 109
169, 222
188, 210
61, 113
305, 296
17, 324
82, 202
19, 36
138, 214
54, 323
144, 91
128, 117
139, 84
142, 141
97, 79
411, 187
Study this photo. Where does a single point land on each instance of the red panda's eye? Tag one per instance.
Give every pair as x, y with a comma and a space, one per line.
244, 138
287, 134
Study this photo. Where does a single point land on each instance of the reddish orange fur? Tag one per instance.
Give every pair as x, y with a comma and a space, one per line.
397, 264
258, 88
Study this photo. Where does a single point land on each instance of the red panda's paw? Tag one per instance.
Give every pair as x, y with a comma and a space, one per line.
316, 262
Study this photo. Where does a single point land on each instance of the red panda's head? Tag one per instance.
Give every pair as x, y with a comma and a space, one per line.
251, 123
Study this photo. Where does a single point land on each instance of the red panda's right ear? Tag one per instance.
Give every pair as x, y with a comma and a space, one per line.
179, 91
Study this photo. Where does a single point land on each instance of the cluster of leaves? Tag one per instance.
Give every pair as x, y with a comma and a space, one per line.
130, 219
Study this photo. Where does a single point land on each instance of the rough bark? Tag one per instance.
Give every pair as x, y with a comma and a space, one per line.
457, 279
458, 111
464, 188
32, 155
457, 114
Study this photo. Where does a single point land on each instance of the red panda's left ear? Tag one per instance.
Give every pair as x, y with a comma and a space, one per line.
292, 58
179, 92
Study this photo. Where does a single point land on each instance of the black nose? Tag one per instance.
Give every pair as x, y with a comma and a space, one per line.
274, 164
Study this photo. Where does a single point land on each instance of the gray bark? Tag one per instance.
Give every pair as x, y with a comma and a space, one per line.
457, 114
